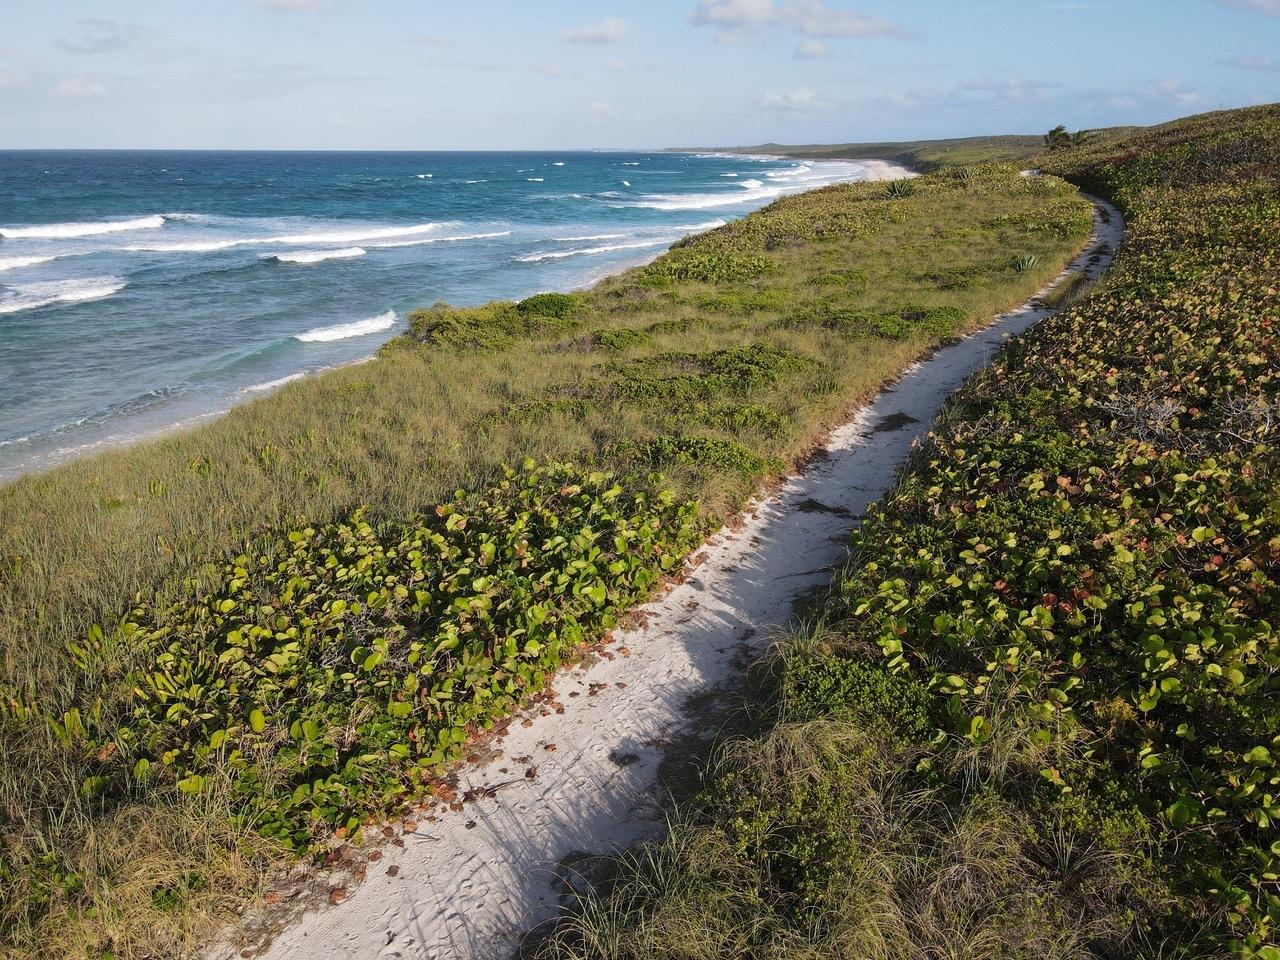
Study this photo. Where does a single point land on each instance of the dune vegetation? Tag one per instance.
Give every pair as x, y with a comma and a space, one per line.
930, 155
222, 648
1037, 716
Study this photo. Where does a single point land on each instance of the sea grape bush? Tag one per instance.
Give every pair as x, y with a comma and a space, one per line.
331, 679
1086, 556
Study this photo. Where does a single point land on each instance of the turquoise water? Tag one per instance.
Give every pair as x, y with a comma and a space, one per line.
144, 290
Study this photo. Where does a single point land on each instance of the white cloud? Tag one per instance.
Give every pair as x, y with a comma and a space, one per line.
735, 19
609, 30
813, 19
549, 70
811, 50
1245, 61
80, 88
735, 14
796, 100
1269, 7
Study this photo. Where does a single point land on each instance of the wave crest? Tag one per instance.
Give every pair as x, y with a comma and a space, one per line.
13, 263
585, 251
316, 256
345, 331
31, 296
63, 231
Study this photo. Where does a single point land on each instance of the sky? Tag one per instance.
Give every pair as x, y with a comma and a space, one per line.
559, 74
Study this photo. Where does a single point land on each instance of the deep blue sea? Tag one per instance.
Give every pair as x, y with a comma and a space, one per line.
145, 290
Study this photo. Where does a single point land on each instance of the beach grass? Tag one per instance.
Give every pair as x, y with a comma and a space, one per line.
717, 365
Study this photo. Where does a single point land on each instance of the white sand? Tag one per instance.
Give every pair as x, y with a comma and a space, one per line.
469, 884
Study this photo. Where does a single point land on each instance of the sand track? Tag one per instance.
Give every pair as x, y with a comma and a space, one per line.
584, 780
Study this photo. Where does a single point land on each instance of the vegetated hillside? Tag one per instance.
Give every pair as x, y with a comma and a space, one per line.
927, 155
1038, 715
222, 648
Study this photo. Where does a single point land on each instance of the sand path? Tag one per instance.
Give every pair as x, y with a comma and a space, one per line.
469, 884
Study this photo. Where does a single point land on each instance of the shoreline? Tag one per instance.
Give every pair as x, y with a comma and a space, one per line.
43, 461
474, 879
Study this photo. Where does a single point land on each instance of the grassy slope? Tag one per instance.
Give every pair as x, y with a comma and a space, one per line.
925, 155
717, 364
1038, 715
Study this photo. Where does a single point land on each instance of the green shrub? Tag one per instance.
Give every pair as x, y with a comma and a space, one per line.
620, 338
706, 453
817, 687
944, 322
738, 418
492, 326
562, 306
706, 267
329, 678
755, 301
703, 376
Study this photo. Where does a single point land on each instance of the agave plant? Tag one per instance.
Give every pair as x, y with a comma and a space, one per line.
1025, 262
897, 189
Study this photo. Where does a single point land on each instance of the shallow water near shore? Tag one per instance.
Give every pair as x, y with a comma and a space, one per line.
145, 290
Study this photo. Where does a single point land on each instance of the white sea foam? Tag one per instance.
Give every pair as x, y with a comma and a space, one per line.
62, 231
631, 163
319, 237
425, 176
272, 384
317, 256
626, 183
752, 191
194, 246
584, 251
344, 331
694, 227
728, 174
534, 179
792, 174
417, 243
594, 236
29, 296
477, 181
13, 263
558, 163
356, 236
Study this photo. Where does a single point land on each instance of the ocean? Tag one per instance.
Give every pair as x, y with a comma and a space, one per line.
143, 290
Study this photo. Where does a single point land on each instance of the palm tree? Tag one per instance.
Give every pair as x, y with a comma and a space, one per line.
1081, 137
1057, 138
